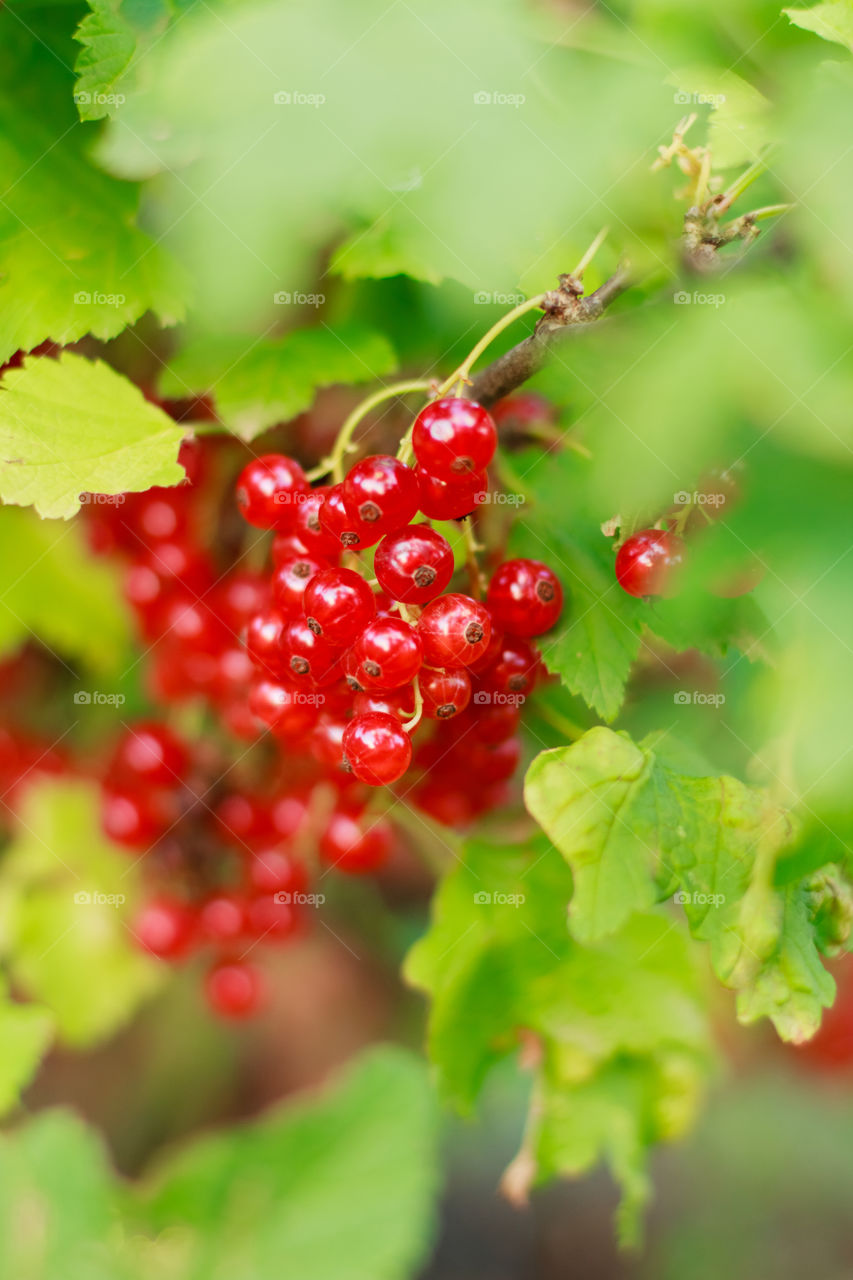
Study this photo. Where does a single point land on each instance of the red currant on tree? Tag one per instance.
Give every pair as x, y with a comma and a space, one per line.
454, 438
445, 693
311, 660
337, 523
290, 580
267, 489
234, 989
338, 604
454, 631
354, 845
414, 564
381, 493
387, 654
377, 748
525, 597
309, 530
150, 753
648, 562
166, 927
441, 501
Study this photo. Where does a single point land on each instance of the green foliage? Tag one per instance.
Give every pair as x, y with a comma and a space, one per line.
831, 21
340, 1187
70, 426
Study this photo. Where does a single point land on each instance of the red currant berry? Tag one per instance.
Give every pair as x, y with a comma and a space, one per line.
222, 919
311, 661
273, 870
382, 494
387, 654
494, 763
377, 749
441, 501
454, 438
286, 546
308, 528
234, 990
494, 722
526, 597
242, 819
647, 563
265, 642
290, 580
337, 523
514, 670
271, 919
521, 412
193, 625
135, 819
393, 702
414, 564
445, 693
326, 740
150, 753
356, 847
338, 604
454, 631
282, 708
166, 928
239, 596
267, 489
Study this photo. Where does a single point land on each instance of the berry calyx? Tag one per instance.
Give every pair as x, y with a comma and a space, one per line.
526, 597
311, 660
381, 494
338, 604
445, 693
414, 564
387, 654
267, 491
648, 562
454, 630
454, 439
377, 749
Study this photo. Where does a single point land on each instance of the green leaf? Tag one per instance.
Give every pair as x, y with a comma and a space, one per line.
113, 35
70, 944
257, 384
25, 1033
616, 1031
57, 592
739, 124
632, 829
70, 426
832, 21
393, 245
341, 1187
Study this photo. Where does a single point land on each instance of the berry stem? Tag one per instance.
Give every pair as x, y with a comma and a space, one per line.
460, 375
590, 253
472, 550
343, 444
737, 188
410, 725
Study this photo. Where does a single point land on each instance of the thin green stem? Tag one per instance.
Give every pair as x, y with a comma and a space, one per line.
460, 375
590, 253
472, 550
334, 464
409, 725
737, 188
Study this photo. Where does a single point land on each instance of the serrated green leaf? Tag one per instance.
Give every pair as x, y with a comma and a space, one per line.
70, 945
394, 245
341, 1187
71, 426
831, 21
632, 829
58, 593
256, 384
112, 35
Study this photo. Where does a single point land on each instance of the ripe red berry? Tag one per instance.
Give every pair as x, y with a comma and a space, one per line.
454, 438
520, 412
309, 530
377, 748
454, 631
283, 708
338, 604
648, 562
265, 642
222, 919
239, 596
267, 489
381, 494
337, 523
234, 989
387, 654
135, 819
393, 702
414, 564
290, 580
514, 670
525, 597
150, 753
273, 870
356, 846
326, 739
445, 693
165, 927
311, 661
272, 920
441, 501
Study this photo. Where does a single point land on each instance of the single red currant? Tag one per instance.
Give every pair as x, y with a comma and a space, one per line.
377, 748
290, 580
454, 438
150, 753
441, 501
166, 928
387, 654
308, 528
222, 919
514, 670
265, 642
282, 708
381, 493
445, 693
454, 631
338, 604
234, 989
271, 920
267, 489
311, 661
273, 870
135, 819
414, 564
526, 597
648, 563
393, 702
337, 523
239, 596
356, 847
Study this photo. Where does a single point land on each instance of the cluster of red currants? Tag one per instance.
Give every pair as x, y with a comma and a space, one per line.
356, 663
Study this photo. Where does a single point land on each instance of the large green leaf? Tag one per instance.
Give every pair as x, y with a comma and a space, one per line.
72, 426
831, 21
